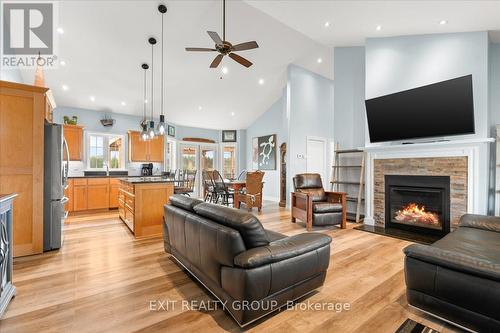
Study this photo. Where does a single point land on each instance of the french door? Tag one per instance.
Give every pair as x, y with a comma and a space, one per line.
198, 157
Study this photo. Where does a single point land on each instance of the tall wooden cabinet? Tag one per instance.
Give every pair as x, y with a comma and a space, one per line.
145, 151
74, 137
23, 109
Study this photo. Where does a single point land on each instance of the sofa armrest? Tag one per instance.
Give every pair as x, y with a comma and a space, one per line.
455, 261
282, 249
490, 223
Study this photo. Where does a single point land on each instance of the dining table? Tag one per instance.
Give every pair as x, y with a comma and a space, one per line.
236, 185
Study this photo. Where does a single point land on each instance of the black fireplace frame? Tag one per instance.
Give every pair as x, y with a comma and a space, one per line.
441, 183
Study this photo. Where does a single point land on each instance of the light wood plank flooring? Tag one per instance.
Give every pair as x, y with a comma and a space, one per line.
103, 281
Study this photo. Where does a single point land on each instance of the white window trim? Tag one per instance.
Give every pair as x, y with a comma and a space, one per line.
173, 157
236, 153
106, 135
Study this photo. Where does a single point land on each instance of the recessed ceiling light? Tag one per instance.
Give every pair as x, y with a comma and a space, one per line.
443, 22
379, 27
146, 101
92, 98
232, 113
224, 70
65, 87
261, 81
123, 103
319, 60
62, 63
199, 108
60, 30
327, 24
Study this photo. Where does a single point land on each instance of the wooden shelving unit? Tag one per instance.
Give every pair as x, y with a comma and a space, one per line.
345, 185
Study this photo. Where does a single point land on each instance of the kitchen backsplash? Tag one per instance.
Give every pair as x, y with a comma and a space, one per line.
77, 168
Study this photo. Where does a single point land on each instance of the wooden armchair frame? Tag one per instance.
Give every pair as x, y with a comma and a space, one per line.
302, 207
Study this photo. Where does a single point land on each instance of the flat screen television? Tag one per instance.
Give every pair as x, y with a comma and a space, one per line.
437, 110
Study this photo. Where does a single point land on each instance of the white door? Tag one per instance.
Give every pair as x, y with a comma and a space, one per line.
316, 151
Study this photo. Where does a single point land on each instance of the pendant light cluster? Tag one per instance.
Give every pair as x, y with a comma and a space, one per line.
148, 127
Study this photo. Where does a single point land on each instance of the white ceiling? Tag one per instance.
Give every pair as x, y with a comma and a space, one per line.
353, 21
105, 42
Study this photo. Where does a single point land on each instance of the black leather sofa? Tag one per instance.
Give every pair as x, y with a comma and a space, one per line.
458, 277
251, 270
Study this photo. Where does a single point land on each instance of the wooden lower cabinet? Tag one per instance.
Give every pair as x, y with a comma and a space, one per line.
91, 193
141, 206
68, 193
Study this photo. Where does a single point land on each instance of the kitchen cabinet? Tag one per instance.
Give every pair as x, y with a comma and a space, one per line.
74, 137
114, 188
79, 194
68, 193
145, 151
97, 193
22, 116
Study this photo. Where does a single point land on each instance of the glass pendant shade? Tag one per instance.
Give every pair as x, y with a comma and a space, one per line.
161, 125
144, 133
151, 129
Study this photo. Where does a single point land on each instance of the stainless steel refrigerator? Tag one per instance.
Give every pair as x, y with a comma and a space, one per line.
56, 167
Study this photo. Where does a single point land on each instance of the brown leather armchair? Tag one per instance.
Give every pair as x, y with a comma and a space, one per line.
311, 204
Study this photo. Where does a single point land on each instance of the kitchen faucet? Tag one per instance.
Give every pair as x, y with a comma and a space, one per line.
107, 169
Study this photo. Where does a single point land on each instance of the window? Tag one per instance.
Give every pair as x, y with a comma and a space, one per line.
229, 161
105, 150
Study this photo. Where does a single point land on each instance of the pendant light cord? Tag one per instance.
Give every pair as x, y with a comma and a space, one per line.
152, 80
145, 96
223, 20
162, 74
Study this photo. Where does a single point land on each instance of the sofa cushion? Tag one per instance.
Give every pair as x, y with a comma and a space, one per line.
327, 207
317, 194
248, 226
184, 202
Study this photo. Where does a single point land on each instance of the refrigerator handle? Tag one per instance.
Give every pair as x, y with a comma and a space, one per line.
66, 169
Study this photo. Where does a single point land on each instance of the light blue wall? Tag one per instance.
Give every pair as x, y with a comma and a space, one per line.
349, 91
494, 118
310, 113
398, 63
271, 122
494, 86
11, 74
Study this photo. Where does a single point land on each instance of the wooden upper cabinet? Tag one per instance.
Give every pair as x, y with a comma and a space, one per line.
156, 149
137, 149
74, 137
144, 151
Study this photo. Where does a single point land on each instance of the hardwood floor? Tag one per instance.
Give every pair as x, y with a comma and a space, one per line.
103, 280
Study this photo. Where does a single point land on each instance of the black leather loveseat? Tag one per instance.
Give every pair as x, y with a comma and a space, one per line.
251, 270
458, 277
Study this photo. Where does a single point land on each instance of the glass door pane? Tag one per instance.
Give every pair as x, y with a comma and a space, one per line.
188, 158
229, 162
207, 158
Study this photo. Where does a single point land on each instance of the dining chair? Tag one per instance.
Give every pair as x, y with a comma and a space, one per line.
221, 190
253, 193
208, 186
242, 175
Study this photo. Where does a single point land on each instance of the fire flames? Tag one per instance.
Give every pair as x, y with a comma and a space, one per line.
412, 213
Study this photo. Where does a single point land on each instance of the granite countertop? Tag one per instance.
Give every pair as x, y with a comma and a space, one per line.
145, 180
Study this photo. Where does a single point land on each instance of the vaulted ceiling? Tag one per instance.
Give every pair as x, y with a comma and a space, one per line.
104, 43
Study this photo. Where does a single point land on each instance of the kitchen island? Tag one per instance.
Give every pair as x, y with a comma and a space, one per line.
141, 201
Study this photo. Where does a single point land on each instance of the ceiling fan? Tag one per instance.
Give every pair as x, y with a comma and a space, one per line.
224, 47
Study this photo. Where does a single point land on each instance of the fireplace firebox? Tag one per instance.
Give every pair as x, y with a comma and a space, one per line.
419, 204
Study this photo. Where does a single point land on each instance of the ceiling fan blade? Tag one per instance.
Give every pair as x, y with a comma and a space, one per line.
245, 46
199, 49
215, 37
216, 61
240, 60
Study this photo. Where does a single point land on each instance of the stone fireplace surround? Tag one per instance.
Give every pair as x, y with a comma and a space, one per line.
465, 161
